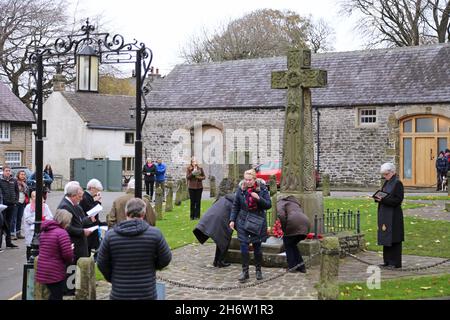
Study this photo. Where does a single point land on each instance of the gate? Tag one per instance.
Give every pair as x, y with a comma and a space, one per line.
109, 172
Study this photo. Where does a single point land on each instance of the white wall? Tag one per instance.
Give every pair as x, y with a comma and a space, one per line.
69, 138
64, 134
107, 144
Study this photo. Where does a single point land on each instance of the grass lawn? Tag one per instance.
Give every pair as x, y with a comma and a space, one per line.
422, 237
399, 289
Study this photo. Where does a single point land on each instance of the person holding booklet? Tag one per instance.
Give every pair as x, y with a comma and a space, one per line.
390, 217
92, 201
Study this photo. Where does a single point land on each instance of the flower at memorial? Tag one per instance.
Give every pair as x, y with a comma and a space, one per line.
276, 229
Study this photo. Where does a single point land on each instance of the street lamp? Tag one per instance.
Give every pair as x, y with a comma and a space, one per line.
87, 50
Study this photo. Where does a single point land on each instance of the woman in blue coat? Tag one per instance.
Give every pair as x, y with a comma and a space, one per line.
250, 204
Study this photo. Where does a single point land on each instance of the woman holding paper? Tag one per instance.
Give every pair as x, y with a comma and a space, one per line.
92, 198
390, 217
28, 219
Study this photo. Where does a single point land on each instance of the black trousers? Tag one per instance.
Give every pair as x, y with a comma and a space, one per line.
196, 199
393, 255
149, 187
293, 255
56, 290
6, 228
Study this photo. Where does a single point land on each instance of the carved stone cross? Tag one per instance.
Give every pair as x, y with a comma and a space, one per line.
298, 143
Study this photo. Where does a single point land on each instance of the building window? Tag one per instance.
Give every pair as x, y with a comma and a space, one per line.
13, 158
129, 137
5, 131
367, 116
98, 158
128, 164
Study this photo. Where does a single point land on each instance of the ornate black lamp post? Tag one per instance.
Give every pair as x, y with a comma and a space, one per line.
86, 50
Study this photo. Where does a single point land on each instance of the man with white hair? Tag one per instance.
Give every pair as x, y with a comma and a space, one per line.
390, 217
91, 198
78, 234
117, 213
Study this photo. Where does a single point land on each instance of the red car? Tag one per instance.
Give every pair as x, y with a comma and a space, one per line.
265, 170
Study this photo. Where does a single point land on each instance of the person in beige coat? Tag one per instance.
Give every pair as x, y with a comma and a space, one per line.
295, 225
117, 213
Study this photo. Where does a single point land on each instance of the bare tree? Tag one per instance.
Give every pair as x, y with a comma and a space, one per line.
401, 22
24, 25
320, 36
261, 33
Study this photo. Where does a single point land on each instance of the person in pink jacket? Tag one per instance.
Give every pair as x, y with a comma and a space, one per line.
55, 252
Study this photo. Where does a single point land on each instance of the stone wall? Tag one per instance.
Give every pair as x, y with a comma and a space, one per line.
350, 153
20, 141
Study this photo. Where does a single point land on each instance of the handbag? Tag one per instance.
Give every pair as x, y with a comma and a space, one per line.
253, 223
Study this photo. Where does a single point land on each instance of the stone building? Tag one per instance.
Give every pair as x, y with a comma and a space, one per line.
15, 130
379, 105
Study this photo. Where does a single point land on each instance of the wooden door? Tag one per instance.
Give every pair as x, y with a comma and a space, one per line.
425, 159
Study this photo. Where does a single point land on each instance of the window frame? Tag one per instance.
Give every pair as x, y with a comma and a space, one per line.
5, 126
360, 116
133, 140
13, 163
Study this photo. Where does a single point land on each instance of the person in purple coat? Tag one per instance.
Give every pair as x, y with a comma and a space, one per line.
55, 252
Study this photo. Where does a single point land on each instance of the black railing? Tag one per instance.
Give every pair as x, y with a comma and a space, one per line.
337, 221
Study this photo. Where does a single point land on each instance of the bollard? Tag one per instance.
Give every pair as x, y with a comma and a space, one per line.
169, 197
159, 203
328, 286
85, 282
178, 193
326, 185
358, 222
41, 291
212, 187
315, 227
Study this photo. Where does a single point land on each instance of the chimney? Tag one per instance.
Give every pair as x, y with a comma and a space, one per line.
59, 80
152, 75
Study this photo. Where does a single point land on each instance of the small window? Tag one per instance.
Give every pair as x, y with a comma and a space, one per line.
129, 137
98, 158
13, 158
5, 131
424, 125
367, 116
128, 164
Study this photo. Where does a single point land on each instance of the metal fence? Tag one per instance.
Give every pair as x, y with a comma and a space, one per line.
337, 221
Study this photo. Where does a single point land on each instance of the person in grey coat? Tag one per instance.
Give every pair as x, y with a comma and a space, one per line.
390, 218
130, 254
214, 225
295, 225
250, 204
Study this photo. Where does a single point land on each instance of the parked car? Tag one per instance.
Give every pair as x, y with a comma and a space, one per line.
265, 170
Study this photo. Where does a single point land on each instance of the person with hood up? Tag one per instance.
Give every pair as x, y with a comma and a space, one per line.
295, 225
248, 217
55, 253
214, 225
130, 254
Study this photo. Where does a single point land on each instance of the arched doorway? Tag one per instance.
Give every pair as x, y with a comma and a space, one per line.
421, 139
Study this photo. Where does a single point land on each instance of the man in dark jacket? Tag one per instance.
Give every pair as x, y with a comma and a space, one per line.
390, 217
77, 232
214, 225
10, 195
130, 254
295, 225
441, 169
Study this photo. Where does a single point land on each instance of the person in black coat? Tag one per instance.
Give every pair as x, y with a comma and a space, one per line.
214, 225
77, 232
390, 217
9, 190
251, 202
91, 198
441, 169
130, 254
149, 171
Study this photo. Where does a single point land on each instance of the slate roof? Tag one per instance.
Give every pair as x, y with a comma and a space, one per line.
102, 111
371, 77
11, 108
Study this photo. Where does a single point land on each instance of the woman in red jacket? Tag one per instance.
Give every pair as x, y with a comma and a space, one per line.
55, 252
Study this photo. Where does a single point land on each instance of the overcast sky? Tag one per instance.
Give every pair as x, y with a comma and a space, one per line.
165, 26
